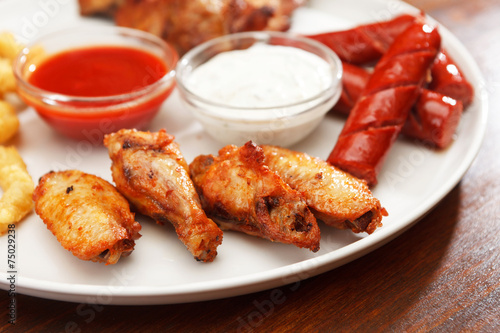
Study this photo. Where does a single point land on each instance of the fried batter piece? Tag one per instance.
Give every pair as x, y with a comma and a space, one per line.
87, 215
17, 187
334, 196
187, 23
150, 171
240, 193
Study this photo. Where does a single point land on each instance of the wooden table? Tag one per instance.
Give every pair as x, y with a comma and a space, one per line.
442, 275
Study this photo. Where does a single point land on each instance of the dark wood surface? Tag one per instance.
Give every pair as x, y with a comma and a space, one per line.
442, 275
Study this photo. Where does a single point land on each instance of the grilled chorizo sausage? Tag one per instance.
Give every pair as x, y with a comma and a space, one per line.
433, 119
448, 79
354, 80
379, 115
365, 44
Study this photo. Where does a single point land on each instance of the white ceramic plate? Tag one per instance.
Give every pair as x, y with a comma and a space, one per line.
161, 270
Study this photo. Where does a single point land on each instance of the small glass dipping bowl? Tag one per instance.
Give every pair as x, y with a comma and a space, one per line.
281, 125
89, 118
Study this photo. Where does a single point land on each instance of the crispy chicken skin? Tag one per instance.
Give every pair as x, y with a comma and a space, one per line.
187, 23
101, 7
239, 192
88, 216
150, 171
335, 197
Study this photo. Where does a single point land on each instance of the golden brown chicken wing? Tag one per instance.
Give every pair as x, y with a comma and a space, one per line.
87, 215
150, 171
335, 197
187, 23
101, 7
240, 193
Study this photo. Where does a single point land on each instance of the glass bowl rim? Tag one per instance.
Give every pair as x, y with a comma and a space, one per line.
262, 36
32, 90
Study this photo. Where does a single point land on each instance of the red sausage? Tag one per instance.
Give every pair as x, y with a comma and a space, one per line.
433, 119
351, 46
365, 44
448, 80
384, 33
379, 115
354, 80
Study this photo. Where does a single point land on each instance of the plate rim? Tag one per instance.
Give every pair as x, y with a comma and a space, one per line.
268, 279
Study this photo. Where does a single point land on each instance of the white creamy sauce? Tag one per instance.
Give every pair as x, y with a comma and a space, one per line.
261, 76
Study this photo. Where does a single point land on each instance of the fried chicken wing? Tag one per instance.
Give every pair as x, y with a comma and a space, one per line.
240, 193
187, 23
150, 171
100, 7
88, 216
334, 196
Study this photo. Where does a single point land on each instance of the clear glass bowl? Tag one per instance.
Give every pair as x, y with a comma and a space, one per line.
281, 125
89, 118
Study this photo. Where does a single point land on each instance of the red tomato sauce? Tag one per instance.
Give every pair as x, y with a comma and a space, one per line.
98, 71
102, 72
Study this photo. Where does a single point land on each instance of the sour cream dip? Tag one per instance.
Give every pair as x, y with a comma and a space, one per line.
261, 76
275, 91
